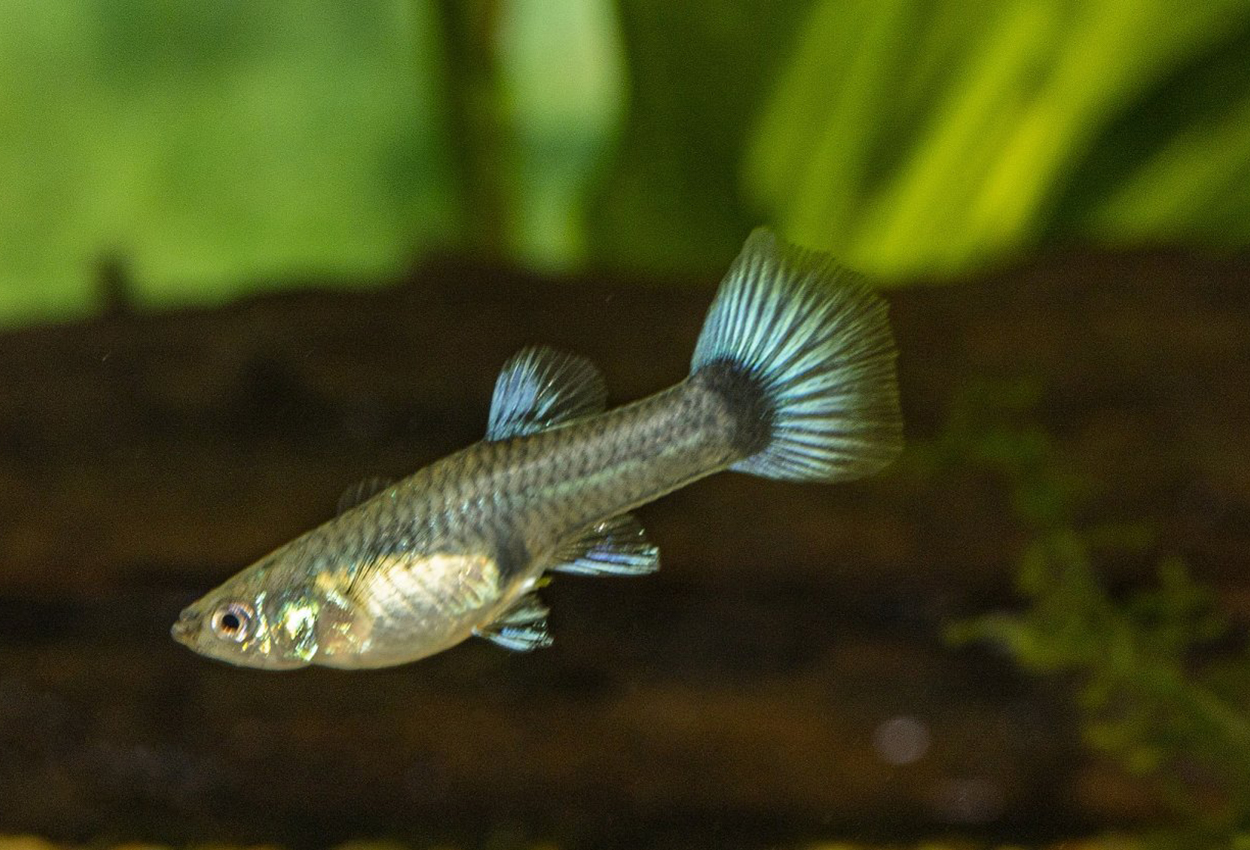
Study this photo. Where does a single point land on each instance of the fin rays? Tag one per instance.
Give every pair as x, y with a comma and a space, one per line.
541, 387
817, 343
617, 547
522, 628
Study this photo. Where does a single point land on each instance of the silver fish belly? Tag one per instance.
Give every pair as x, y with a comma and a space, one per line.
793, 378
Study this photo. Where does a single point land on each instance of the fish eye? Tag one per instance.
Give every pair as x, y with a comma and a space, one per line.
232, 621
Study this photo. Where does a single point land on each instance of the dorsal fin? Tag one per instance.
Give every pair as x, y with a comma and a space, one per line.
617, 547
540, 387
361, 492
521, 628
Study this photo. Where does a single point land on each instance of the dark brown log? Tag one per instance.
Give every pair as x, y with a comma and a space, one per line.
143, 458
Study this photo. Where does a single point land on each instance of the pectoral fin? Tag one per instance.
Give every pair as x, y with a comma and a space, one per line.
521, 628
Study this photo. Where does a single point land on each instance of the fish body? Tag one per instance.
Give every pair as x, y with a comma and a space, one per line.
793, 378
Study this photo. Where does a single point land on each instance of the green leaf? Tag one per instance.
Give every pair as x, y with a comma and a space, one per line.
913, 138
213, 144
562, 77
1187, 172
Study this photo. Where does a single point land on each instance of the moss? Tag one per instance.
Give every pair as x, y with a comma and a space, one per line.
1151, 690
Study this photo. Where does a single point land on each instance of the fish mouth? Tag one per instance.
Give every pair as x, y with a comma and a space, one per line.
185, 629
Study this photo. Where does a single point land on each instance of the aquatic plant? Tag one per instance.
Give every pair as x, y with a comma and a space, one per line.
199, 150
1157, 687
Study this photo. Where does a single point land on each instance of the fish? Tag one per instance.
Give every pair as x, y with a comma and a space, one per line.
793, 377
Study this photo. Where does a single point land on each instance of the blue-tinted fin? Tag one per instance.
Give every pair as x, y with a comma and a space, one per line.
521, 628
540, 387
361, 492
812, 347
614, 547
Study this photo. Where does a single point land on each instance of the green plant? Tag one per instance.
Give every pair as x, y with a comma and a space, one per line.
1148, 692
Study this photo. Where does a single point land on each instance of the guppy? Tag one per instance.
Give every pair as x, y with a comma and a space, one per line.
792, 378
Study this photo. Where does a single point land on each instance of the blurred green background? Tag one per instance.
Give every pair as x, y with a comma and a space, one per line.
219, 146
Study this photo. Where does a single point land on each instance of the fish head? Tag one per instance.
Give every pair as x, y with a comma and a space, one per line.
254, 621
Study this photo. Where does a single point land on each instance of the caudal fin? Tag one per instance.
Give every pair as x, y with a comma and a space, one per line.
810, 339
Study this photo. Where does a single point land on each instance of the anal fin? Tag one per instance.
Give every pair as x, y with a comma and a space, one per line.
616, 547
521, 628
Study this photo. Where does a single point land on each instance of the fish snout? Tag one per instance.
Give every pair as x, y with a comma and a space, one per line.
185, 629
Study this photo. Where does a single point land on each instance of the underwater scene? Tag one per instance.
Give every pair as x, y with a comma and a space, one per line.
562, 424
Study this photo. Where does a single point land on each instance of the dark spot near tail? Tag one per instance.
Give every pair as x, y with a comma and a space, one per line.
745, 397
